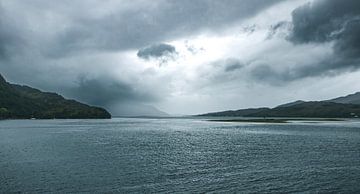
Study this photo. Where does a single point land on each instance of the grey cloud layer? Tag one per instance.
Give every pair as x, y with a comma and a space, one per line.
37, 35
9, 41
145, 23
53, 40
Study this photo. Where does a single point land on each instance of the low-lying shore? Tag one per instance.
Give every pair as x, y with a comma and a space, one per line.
264, 120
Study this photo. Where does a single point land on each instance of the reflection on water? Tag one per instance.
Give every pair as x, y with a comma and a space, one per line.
178, 155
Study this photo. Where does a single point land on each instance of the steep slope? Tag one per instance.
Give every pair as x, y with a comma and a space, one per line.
23, 102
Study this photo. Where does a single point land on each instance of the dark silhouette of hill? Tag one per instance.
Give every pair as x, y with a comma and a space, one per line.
313, 110
237, 113
342, 107
23, 102
349, 99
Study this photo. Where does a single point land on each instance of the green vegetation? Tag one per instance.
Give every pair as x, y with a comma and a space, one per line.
23, 102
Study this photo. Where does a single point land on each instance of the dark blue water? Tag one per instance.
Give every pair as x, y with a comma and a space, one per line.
178, 155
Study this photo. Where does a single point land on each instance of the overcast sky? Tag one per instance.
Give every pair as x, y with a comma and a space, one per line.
183, 56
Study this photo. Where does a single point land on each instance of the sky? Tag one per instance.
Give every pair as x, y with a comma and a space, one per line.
136, 57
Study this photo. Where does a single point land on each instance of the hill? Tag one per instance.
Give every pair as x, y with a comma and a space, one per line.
236, 113
342, 107
291, 103
312, 110
23, 102
349, 99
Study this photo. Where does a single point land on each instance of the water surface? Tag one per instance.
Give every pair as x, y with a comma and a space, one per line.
178, 155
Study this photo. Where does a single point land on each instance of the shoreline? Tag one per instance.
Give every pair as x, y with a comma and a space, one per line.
280, 120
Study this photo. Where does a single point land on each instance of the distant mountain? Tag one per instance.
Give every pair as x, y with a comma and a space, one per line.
236, 113
349, 99
313, 110
23, 102
343, 107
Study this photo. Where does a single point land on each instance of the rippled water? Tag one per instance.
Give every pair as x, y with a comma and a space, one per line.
178, 155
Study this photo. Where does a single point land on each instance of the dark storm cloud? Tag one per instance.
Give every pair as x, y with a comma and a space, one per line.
323, 20
107, 92
10, 41
318, 23
348, 43
330, 21
146, 23
156, 51
2, 35
3, 40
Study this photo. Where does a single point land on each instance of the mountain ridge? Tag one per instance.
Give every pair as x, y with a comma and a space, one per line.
349, 99
341, 107
24, 102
